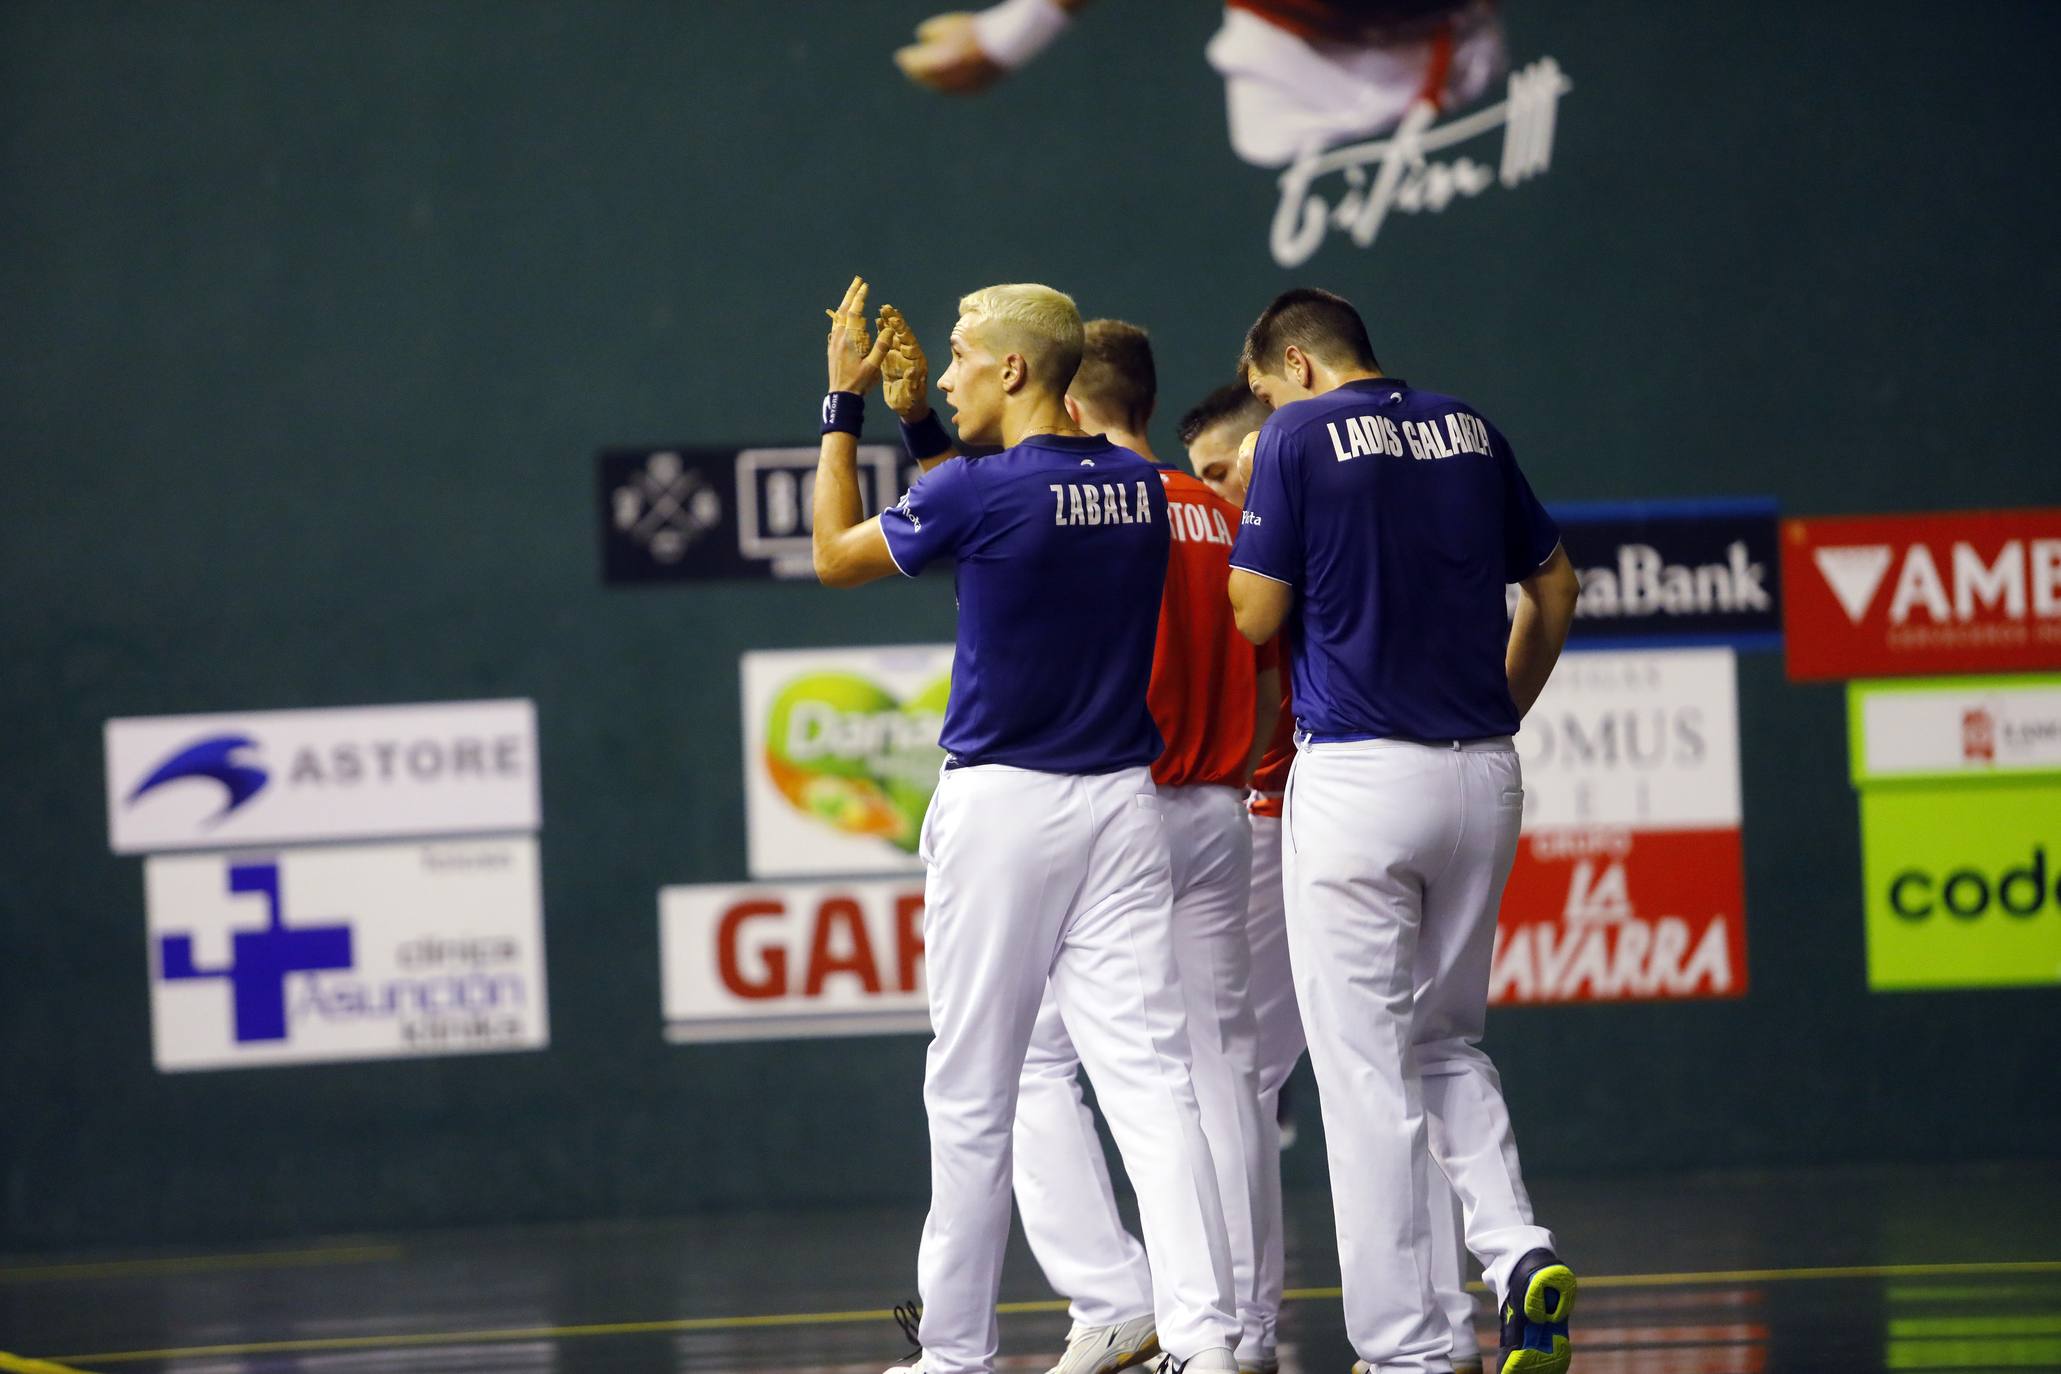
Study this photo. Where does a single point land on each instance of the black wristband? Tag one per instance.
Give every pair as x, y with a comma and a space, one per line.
926, 438
843, 412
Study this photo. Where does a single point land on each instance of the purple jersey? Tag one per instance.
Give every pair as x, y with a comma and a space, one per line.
1061, 546
1398, 516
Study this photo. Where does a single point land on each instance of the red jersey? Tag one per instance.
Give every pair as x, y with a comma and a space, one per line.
1203, 670
1353, 21
1270, 779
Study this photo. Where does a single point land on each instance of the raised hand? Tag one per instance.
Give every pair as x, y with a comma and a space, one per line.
904, 371
854, 365
947, 57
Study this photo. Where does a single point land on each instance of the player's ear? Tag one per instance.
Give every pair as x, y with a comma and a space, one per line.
1073, 410
1015, 372
1297, 366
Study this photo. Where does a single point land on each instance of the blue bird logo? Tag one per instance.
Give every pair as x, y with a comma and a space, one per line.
213, 758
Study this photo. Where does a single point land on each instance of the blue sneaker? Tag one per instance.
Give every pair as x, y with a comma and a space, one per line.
1535, 1315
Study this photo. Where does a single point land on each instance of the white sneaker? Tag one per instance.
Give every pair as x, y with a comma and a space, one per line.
1218, 1360
914, 1366
1106, 1349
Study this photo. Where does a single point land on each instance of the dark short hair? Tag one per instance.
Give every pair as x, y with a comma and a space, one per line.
1318, 322
1116, 372
1229, 403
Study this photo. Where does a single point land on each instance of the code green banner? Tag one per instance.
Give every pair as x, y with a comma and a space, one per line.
1963, 885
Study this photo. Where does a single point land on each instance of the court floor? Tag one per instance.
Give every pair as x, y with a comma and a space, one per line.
1882, 1268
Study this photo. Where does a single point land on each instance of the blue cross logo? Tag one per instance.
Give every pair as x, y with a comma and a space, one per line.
259, 960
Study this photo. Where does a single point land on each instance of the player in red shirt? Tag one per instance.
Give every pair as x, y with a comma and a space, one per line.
1202, 696
1214, 433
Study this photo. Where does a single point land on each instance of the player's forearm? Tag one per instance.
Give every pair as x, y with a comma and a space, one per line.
837, 510
1266, 715
1538, 632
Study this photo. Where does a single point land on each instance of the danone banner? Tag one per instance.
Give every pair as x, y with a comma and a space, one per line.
841, 756
1960, 794
1629, 881
746, 961
1894, 595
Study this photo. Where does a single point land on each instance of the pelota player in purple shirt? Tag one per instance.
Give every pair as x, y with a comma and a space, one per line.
1044, 844
1382, 524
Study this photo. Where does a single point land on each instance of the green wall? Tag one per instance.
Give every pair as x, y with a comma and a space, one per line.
312, 316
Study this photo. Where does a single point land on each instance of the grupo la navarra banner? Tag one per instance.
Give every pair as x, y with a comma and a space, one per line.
1897, 595
1629, 882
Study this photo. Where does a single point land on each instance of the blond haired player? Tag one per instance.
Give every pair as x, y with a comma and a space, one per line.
1202, 698
1045, 844
1219, 433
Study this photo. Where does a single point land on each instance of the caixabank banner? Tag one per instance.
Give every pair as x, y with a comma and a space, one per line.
1909, 595
1673, 572
769, 961
345, 952
841, 756
1629, 881
1960, 796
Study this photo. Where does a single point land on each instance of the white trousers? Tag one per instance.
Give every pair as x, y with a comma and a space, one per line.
1062, 1182
1281, 1044
1394, 857
1037, 877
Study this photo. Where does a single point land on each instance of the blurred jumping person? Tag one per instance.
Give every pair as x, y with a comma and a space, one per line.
1045, 843
1381, 526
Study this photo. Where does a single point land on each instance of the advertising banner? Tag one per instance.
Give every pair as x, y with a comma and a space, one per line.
278, 777
1629, 881
1966, 727
841, 756
345, 952
760, 962
693, 514
1658, 573
1960, 795
1897, 595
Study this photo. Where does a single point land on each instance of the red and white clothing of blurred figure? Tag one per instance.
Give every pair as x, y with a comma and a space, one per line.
1202, 697
1304, 76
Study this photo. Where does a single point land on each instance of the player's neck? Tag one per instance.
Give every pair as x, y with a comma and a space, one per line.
1027, 417
1329, 379
1124, 438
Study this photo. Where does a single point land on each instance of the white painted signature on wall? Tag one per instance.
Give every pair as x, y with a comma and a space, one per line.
1397, 173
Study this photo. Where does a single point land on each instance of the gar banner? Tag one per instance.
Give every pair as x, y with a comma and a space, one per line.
692, 514
1629, 880
345, 952
841, 756
759, 962
1897, 595
1657, 573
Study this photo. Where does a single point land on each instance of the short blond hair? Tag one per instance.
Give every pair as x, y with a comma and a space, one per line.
1042, 324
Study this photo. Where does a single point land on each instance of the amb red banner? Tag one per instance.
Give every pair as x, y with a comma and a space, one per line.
1886, 596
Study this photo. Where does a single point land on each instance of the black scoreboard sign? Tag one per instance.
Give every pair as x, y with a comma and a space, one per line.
695, 514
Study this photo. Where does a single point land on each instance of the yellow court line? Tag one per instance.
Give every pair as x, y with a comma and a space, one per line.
200, 1264
786, 1319
15, 1364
